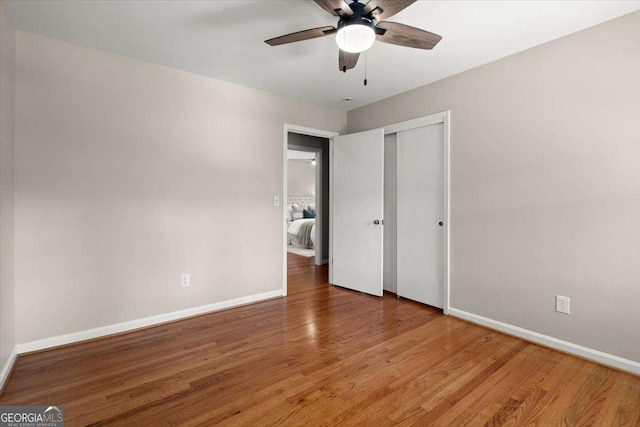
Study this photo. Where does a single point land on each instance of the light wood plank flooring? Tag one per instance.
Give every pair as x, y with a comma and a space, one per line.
323, 356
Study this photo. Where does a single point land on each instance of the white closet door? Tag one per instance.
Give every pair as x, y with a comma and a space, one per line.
420, 176
357, 208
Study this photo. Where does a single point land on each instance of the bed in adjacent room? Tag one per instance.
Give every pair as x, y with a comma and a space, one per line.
301, 230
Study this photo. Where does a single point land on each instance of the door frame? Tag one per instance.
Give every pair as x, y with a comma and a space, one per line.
443, 117
285, 145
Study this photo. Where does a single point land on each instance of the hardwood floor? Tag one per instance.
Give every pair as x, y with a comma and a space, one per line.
323, 356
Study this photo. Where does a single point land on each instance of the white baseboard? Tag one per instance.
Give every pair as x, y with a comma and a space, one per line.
140, 323
8, 366
554, 343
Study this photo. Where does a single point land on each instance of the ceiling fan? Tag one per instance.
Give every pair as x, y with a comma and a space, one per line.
361, 23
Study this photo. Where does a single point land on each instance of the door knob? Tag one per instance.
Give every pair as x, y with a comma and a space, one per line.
440, 223
376, 222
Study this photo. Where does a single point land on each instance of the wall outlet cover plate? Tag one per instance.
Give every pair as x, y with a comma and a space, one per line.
563, 304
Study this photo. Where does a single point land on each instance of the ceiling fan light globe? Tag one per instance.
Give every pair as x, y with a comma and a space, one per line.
355, 38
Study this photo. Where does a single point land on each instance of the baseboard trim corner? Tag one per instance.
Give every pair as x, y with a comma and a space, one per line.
7, 368
551, 342
132, 325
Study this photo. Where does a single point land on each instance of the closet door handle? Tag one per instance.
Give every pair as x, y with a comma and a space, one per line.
440, 223
376, 221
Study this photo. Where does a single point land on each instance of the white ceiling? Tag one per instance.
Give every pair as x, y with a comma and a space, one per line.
224, 39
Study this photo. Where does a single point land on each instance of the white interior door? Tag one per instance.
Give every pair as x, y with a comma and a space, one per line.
357, 206
420, 214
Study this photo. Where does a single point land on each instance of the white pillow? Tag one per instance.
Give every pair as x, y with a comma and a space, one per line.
289, 213
297, 211
312, 207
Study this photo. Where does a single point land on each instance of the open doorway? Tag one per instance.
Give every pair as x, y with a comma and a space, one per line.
303, 176
306, 197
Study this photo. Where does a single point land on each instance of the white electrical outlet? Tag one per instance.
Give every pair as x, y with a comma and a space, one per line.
563, 304
185, 280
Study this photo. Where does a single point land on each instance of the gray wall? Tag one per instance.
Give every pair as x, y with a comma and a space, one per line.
296, 139
301, 178
545, 184
7, 197
390, 269
129, 174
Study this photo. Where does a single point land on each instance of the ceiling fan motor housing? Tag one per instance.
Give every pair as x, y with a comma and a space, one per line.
360, 16
350, 20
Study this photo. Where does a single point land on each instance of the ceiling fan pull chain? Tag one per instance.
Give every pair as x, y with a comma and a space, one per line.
365, 68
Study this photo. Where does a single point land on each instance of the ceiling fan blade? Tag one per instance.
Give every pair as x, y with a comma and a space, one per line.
332, 5
405, 35
389, 7
301, 35
346, 60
